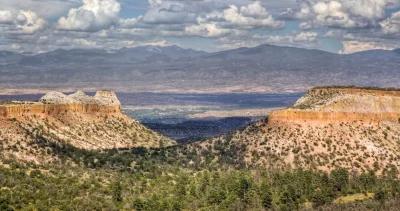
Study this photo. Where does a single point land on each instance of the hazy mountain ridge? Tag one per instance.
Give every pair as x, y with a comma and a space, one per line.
265, 67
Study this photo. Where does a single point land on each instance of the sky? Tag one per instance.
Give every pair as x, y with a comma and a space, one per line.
340, 26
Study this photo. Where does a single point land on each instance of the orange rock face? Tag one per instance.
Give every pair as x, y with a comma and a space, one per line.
343, 104
299, 116
18, 110
54, 103
355, 91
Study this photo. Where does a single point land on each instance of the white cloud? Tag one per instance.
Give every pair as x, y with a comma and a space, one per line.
332, 13
369, 9
6, 17
55, 24
302, 38
206, 30
392, 24
342, 13
305, 37
23, 21
353, 46
84, 42
29, 22
232, 19
93, 15
129, 22
249, 16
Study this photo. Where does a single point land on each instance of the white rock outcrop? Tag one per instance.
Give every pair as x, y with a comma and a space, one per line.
107, 98
82, 97
56, 98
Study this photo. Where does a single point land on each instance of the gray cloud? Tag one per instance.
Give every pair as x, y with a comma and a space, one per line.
392, 24
44, 8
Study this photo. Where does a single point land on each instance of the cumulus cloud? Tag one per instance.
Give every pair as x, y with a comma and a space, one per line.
49, 24
332, 13
170, 12
369, 9
233, 19
129, 22
342, 13
252, 15
392, 24
6, 17
93, 15
23, 21
302, 38
206, 30
306, 37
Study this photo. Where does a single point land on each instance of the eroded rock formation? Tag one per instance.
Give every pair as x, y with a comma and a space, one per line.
343, 104
55, 103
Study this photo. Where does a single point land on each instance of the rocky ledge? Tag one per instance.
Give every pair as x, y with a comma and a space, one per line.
343, 104
55, 103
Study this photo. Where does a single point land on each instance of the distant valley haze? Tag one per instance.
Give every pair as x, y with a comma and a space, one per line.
265, 68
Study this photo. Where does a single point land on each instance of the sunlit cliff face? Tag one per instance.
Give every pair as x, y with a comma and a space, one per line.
55, 103
343, 105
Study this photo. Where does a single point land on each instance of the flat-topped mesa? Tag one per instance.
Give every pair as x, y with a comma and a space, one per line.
54, 103
343, 104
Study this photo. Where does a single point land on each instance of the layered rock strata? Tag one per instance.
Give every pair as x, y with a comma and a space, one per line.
55, 103
343, 104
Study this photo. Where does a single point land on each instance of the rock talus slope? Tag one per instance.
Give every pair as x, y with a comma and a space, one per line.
29, 130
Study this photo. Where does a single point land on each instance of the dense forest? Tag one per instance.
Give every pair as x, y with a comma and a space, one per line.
142, 179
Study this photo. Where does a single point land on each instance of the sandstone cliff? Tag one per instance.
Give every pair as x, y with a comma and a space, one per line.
343, 104
30, 130
55, 103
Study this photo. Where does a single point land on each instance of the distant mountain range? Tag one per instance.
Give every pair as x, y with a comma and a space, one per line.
149, 68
